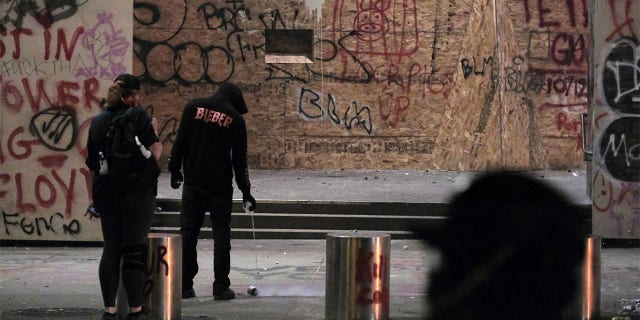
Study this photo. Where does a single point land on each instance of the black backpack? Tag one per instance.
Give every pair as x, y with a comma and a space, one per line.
127, 166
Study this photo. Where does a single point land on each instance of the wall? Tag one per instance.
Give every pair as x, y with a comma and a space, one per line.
56, 60
615, 119
396, 84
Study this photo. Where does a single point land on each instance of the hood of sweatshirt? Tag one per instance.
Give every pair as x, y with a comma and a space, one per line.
234, 95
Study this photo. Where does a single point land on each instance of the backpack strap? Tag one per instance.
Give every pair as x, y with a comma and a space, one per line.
117, 121
126, 114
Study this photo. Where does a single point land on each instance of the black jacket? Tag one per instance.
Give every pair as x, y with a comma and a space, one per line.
98, 131
100, 125
211, 144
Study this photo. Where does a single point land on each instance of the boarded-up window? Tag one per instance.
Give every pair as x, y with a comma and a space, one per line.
289, 46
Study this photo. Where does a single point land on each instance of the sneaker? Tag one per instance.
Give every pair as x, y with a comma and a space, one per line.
189, 293
140, 315
226, 294
110, 316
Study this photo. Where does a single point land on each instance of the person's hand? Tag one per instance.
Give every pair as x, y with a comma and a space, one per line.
92, 212
176, 179
247, 197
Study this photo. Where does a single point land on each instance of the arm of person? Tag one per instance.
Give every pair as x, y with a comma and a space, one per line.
239, 156
92, 161
179, 145
156, 150
147, 133
239, 161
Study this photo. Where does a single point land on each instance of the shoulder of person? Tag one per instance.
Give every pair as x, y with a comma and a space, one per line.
195, 103
200, 101
228, 109
138, 113
102, 118
136, 110
102, 115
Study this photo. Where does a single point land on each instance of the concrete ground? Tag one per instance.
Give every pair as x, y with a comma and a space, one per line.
62, 282
411, 186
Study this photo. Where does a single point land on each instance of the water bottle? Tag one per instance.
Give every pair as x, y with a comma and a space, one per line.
104, 167
146, 153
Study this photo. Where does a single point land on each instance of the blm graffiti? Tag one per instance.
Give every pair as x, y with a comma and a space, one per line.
310, 107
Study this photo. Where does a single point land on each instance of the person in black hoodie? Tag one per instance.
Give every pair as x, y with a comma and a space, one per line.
211, 146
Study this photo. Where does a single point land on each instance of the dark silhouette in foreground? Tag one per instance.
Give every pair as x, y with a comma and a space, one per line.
512, 249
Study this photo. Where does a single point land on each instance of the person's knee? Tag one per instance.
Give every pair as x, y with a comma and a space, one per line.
134, 257
221, 244
190, 225
221, 220
189, 236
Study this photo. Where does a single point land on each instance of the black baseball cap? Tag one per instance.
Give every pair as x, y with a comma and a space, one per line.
130, 82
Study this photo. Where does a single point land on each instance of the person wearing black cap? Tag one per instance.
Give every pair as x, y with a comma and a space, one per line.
211, 146
125, 211
512, 248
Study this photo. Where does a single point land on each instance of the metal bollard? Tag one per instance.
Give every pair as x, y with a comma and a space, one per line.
357, 277
163, 287
586, 303
590, 295
163, 290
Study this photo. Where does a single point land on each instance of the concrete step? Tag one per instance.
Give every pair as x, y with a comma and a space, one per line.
314, 219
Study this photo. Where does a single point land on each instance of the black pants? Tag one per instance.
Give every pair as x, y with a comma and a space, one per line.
195, 202
126, 220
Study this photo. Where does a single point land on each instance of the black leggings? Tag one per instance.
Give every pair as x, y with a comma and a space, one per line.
126, 220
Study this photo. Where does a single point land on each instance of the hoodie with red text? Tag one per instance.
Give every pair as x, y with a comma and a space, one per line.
211, 144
